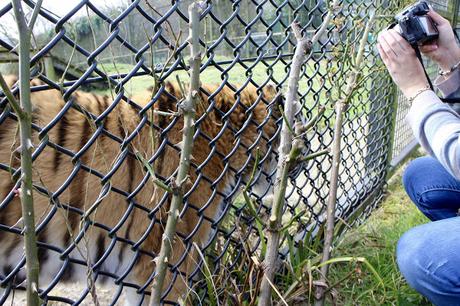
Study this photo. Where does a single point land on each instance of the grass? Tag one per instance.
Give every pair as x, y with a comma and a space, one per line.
212, 75
319, 86
364, 271
376, 240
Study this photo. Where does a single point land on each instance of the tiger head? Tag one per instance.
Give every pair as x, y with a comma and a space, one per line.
235, 127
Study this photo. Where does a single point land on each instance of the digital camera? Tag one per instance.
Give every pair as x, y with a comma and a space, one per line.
415, 25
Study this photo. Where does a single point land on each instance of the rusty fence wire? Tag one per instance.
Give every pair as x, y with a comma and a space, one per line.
99, 143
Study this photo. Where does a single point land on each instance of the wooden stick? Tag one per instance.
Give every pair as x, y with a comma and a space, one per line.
10, 97
188, 109
35, 14
325, 23
288, 154
340, 108
289, 151
25, 123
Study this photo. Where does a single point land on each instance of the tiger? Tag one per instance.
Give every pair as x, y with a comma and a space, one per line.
100, 166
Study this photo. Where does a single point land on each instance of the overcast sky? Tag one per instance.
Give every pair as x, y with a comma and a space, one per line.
61, 7
58, 7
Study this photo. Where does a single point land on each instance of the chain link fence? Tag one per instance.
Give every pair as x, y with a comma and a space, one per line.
97, 155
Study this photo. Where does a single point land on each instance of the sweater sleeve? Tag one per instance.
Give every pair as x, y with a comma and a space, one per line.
437, 128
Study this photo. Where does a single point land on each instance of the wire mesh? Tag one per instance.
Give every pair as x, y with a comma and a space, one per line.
404, 137
97, 154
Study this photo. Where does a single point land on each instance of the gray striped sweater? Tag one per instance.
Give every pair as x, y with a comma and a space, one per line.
436, 125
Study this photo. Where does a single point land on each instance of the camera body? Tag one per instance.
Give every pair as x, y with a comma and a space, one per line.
415, 25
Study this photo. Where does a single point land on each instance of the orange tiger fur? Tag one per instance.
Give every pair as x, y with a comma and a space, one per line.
105, 208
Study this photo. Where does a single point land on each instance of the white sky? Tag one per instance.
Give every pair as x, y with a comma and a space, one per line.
58, 7
61, 7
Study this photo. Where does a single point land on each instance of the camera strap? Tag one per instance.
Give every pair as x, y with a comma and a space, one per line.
419, 56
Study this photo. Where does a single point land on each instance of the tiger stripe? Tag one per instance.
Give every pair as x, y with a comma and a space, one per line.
121, 129
77, 187
131, 164
3, 130
3, 219
13, 214
43, 252
74, 131
100, 247
62, 128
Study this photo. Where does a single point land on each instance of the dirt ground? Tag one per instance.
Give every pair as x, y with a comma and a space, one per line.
72, 291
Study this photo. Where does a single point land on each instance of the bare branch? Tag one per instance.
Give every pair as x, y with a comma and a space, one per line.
289, 150
288, 155
315, 155
340, 107
25, 122
159, 183
313, 121
188, 108
325, 23
35, 13
10, 97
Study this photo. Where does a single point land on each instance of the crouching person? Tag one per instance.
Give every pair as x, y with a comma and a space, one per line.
429, 255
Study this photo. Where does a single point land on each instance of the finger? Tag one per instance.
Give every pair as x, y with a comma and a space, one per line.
392, 43
438, 19
383, 40
427, 48
400, 42
383, 54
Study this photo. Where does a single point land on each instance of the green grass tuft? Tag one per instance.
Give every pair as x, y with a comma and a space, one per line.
376, 241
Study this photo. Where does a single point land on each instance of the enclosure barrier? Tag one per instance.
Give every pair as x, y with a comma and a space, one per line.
245, 46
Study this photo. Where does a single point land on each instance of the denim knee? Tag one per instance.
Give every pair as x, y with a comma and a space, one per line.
414, 178
429, 267
409, 255
435, 192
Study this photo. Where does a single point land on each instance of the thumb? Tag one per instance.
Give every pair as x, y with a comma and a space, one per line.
438, 19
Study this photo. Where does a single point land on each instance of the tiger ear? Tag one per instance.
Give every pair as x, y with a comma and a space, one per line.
274, 99
166, 103
169, 96
270, 89
170, 88
174, 90
36, 82
223, 102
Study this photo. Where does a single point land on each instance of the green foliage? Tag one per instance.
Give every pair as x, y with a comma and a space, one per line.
376, 241
84, 24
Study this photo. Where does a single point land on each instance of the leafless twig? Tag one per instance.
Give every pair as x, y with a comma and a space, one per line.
25, 122
289, 151
188, 108
10, 97
340, 108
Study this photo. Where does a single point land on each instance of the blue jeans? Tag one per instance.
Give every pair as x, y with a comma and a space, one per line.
429, 255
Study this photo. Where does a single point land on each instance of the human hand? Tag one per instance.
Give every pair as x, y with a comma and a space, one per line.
444, 50
402, 63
